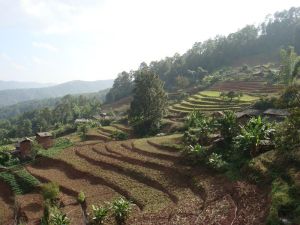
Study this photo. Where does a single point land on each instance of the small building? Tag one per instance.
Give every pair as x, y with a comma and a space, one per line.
23, 148
81, 120
244, 116
276, 114
218, 114
45, 139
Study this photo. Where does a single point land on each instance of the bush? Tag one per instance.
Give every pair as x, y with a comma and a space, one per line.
194, 154
50, 191
99, 214
59, 218
62, 142
64, 130
255, 130
5, 156
215, 161
119, 135
228, 126
121, 209
81, 197
82, 131
287, 136
106, 122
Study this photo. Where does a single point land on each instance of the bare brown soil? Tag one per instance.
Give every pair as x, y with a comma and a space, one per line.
150, 175
6, 205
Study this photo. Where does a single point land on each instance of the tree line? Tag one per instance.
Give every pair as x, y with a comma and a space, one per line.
65, 111
263, 41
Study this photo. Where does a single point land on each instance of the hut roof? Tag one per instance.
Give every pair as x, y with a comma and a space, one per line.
82, 120
24, 140
248, 112
44, 134
277, 112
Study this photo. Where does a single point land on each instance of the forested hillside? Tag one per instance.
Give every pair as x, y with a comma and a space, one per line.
250, 45
22, 107
10, 97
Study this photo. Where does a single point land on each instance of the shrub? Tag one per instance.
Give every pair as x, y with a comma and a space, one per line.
121, 209
119, 135
194, 154
81, 197
255, 130
228, 126
62, 142
59, 218
82, 131
64, 130
99, 214
50, 191
287, 135
215, 161
5, 156
105, 122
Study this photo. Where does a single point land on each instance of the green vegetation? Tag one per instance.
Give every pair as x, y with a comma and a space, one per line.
209, 101
10, 97
290, 62
20, 181
81, 197
99, 214
59, 145
50, 191
200, 64
58, 218
149, 103
61, 118
122, 87
119, 135
53, 215
121, 209
82, 131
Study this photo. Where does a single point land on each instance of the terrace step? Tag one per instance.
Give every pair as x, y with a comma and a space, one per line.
106, 163
72, 180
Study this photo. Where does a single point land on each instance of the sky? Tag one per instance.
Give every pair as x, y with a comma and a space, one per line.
61, 40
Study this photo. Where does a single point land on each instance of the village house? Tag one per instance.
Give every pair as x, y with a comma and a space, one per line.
276, 114
45, 139
23, 148
81, 120
244, 116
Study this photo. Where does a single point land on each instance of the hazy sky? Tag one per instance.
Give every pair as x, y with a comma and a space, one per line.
61, 40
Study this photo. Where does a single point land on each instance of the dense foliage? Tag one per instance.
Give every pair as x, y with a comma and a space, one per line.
122, 87
149, 103
197, 65
65, 112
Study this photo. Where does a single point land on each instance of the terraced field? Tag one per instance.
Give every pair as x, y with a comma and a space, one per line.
105, 133
210, 100
246, 87
6, 205
163, 190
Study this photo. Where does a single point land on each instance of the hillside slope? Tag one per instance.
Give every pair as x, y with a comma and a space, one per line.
10, 97
6, 85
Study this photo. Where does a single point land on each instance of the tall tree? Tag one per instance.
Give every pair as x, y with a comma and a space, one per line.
290, 64
149, 102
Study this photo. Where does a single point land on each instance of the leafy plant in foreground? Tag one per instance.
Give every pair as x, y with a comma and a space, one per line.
59, 218
99, 214
81, 197
121, 209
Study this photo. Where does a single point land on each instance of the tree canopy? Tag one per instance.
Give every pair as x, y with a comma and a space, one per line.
149, 102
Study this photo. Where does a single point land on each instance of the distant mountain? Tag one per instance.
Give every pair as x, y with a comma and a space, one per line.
10, 97
7, 85
27, 106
